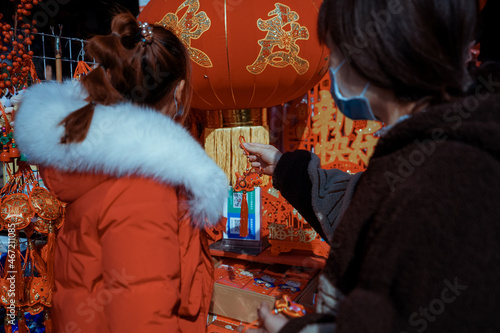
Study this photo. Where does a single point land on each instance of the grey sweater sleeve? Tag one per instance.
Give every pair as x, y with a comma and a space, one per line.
331, 194
321, 196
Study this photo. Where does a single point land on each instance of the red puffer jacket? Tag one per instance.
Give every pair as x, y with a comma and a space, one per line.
132, 255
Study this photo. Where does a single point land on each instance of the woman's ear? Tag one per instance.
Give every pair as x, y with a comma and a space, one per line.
179, 90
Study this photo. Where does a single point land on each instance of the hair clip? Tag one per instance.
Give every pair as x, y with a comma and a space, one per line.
146, 32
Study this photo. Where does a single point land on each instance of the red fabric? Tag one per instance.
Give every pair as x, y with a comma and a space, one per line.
127, 258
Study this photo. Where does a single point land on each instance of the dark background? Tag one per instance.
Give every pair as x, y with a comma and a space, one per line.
490, 31
80, 18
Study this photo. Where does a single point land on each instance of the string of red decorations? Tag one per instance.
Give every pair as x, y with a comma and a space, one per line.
15, 56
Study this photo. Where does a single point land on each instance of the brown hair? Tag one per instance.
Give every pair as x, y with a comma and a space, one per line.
146, 74
418, 48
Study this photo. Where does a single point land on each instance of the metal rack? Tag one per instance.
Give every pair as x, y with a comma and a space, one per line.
72, 52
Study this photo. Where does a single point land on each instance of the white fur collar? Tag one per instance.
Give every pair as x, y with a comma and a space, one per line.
123, 139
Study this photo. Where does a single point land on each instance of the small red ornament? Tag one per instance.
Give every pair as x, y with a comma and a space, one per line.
15, 210
246, 183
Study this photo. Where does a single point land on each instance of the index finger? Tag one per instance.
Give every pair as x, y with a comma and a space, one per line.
256, 144
256, 148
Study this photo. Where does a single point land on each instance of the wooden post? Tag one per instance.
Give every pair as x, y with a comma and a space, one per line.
58, 52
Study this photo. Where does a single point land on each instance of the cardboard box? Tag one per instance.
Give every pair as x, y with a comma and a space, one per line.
237, 303
242, 304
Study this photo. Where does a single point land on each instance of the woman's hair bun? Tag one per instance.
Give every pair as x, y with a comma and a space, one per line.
126, 27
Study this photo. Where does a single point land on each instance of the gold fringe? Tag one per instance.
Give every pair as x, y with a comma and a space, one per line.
210, 146
223, 146
223, 143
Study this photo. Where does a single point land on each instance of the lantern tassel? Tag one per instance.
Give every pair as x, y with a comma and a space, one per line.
21, 324
47, 321
48, 326
18, 272
38, 262
50, 257
223, 146
33, 254
244, 216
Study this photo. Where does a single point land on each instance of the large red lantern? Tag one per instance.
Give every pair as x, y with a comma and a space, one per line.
246, 54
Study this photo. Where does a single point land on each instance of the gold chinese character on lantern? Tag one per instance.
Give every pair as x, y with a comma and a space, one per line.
278, 37
190, 26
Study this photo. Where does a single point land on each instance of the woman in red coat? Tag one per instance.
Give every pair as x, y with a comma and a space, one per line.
132, 255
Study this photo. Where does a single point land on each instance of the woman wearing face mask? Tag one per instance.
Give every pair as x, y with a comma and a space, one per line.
132, 255
417, 247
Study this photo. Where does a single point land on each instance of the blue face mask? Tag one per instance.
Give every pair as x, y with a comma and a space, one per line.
357, 107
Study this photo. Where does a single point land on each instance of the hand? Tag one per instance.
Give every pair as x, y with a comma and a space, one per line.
271, 323
265, 156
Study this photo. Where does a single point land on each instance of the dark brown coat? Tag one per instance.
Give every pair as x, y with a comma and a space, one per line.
418, 248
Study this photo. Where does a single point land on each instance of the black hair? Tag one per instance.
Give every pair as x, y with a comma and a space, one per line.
416, 48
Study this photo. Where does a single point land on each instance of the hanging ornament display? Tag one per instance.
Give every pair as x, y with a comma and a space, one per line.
15, 55
9, 146
27, 281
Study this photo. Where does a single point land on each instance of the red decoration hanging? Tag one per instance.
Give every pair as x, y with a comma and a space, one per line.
244, 216
17, 39
246, 183
285, 306
82, 70
25, 205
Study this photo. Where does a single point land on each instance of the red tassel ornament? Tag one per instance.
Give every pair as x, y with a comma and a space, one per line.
246, 183
50, 256
244, 216
47, 321
21, 324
